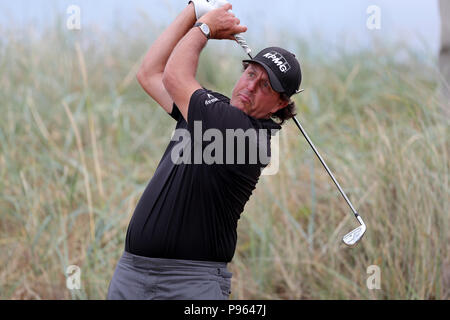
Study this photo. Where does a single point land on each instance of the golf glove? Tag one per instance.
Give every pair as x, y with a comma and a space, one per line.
202, 7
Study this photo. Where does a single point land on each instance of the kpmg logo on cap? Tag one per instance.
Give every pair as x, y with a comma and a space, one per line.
278, 59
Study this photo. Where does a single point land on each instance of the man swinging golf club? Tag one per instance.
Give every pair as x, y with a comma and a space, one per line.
183, 232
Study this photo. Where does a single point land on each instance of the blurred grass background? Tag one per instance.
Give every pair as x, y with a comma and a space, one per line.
80, 140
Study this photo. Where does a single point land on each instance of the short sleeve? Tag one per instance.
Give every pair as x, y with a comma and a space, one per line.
176, 114
214, 112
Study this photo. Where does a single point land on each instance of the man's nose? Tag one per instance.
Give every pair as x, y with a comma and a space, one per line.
251, 85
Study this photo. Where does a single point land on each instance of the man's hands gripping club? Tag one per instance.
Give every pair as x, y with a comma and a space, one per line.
222, 23
202, 7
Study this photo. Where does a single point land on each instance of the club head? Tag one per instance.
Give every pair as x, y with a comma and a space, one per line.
352, 238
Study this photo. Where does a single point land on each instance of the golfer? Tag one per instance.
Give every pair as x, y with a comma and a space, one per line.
183, 232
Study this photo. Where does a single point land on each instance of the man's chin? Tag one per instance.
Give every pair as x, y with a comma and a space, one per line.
238, 104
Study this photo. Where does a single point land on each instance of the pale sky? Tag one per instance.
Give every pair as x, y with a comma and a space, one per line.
414, 21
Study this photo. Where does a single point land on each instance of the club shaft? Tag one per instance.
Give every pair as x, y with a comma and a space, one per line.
326, 167
241, 41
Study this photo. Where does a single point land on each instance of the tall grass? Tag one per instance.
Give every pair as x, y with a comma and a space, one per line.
79, 141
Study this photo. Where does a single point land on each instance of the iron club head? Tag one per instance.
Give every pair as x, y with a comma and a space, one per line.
352, 238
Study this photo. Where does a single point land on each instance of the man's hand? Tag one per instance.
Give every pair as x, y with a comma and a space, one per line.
202, 7
222, 23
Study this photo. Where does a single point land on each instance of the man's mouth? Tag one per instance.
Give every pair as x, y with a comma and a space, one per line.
245, 99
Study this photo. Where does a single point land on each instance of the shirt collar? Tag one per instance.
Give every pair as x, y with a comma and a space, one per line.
268, 124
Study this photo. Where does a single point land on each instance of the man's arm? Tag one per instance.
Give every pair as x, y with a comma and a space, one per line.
179, 74
150, 74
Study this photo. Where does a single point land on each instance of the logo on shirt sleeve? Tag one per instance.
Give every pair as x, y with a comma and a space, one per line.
211, 99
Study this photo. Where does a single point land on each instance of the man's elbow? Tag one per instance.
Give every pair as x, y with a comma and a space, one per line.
169, 81
147, 81
140, 77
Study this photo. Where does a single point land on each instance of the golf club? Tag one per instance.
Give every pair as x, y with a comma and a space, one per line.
352, 238
244, 45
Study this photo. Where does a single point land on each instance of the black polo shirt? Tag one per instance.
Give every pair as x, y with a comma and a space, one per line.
190, 209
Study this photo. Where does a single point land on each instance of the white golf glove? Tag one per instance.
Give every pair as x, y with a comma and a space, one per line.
202, 7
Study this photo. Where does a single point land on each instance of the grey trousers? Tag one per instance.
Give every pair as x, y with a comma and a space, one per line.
142, 278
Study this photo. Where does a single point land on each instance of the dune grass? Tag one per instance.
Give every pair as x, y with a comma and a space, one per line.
79, 141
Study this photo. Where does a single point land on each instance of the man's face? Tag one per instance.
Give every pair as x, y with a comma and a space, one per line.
254, 95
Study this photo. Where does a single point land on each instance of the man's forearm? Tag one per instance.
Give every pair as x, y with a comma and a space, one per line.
156, 59
179, 75
183, 63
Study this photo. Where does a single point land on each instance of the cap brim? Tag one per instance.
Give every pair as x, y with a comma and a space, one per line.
274, 82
